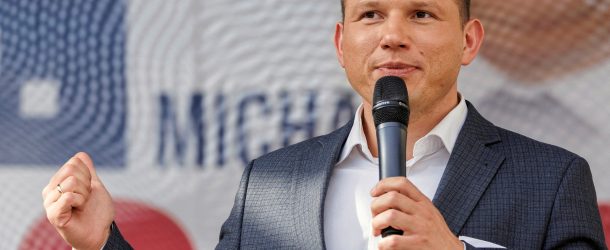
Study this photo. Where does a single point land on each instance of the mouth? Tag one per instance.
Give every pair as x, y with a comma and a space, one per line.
395, 69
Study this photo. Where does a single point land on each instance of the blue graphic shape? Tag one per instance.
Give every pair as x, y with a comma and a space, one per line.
77, 48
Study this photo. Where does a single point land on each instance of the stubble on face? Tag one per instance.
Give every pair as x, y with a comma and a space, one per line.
426, 52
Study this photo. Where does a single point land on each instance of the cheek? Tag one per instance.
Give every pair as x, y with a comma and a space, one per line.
357, 47
355, 61
357, 51
444, 62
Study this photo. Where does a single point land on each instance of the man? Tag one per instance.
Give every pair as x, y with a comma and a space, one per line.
470, 184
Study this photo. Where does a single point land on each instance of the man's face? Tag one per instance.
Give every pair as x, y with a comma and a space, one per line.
421, 41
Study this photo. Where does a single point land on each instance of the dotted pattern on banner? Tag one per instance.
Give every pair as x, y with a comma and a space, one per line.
62, 80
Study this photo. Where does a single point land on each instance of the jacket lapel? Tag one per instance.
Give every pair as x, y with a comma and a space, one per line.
471, 167
310, 180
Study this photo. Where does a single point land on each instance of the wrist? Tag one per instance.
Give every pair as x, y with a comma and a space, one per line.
105, 237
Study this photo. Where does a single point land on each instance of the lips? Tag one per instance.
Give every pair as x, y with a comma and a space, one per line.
399, 69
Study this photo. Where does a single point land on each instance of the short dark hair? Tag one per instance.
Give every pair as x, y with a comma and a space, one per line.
463, 4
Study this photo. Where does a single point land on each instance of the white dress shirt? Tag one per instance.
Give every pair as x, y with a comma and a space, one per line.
347, 208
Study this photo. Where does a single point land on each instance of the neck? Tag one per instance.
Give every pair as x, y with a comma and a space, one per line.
421, 122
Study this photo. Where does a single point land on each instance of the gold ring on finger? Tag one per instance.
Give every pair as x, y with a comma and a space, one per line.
59, 189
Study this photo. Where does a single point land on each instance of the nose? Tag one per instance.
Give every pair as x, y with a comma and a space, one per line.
394, 34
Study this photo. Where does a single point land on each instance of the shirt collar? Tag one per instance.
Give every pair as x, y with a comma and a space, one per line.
443, 135
449, 128
357, 140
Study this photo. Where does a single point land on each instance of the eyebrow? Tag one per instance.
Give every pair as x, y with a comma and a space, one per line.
427, 4
414, 4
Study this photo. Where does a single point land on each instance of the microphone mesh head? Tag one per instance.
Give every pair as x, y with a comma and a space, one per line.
390, 91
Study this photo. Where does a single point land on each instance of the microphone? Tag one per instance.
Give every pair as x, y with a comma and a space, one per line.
391, 115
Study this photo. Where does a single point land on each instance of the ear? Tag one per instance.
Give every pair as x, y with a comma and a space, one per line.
473, 39
339, 43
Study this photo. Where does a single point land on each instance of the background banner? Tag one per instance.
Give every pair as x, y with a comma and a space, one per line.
173, 98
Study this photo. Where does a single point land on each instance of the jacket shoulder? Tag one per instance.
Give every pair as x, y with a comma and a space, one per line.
330, 141
518, 144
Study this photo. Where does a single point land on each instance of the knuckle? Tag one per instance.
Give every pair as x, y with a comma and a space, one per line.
403, 181
375, 206
69, 169
66, 198
75, 161
68, 184
393, 196
70, 180
392, 242
393, 214
70, 197
74, 165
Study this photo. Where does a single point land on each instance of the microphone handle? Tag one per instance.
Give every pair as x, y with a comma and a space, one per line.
391, 142
390, 231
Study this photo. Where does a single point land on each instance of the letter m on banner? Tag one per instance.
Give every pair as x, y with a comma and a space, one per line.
62, 75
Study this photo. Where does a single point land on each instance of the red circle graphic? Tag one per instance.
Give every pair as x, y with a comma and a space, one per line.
143, 226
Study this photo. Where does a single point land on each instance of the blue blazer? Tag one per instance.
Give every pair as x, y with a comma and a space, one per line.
498, 186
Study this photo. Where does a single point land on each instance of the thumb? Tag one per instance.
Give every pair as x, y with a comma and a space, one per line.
85, 158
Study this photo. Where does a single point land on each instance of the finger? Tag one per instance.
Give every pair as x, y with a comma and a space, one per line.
86, 159
74, 185
397, 242
393, 200
84, 174
60, 212
395, 219
68, 184
73, 167
51, 197
76, 167
399, 184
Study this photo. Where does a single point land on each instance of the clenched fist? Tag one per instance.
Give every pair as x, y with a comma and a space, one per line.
397, 203
78, 205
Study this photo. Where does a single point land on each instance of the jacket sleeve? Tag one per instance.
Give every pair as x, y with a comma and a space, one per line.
575, 222
115, 240
230, 233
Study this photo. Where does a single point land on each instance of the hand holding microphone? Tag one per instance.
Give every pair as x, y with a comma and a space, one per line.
403, 215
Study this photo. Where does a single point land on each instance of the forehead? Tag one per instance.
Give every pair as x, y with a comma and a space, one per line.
346, 2
443, 4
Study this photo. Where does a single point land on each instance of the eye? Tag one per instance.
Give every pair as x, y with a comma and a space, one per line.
370, 15
422, 15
